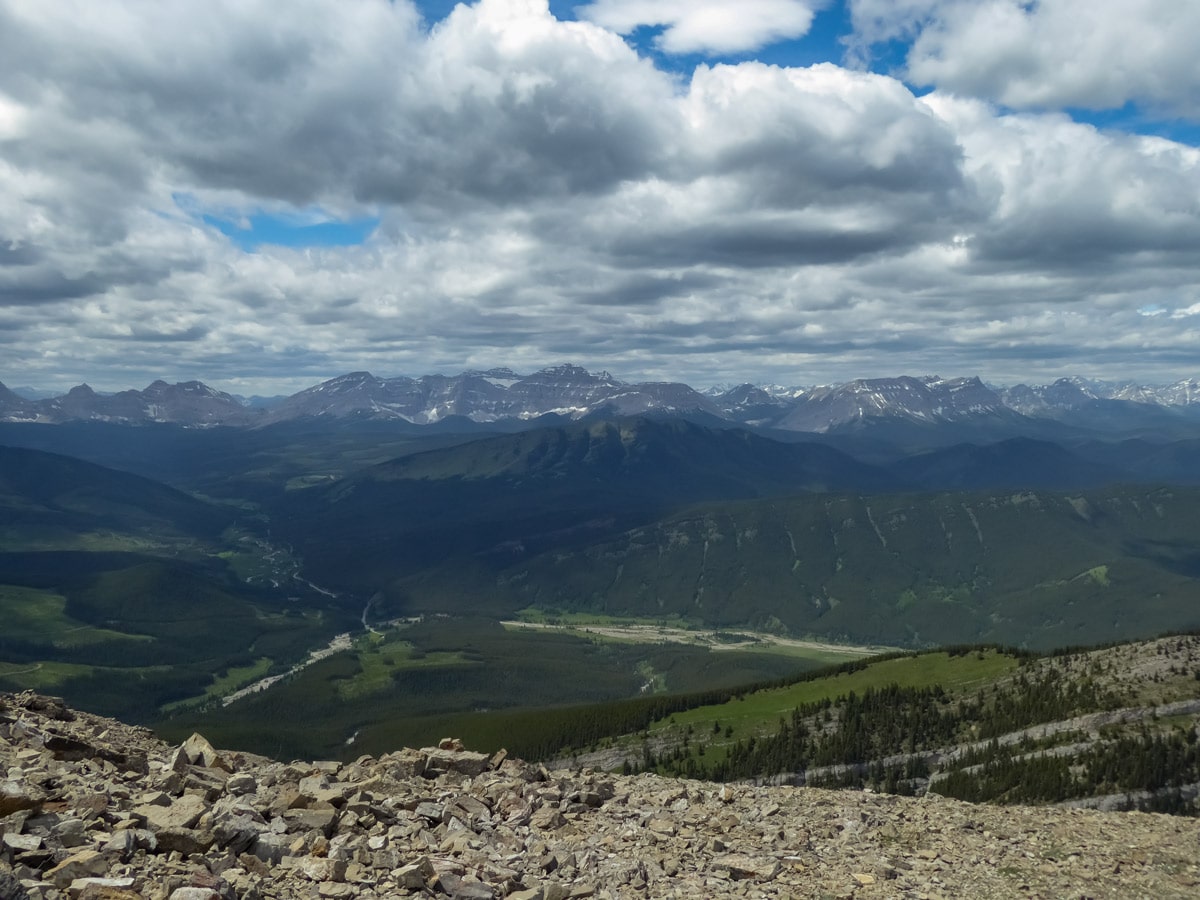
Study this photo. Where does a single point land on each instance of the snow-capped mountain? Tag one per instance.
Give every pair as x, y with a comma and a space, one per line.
500, 394
1182, 393
189, 403
1071, 394
929, 399
489, 396
752, 405
15, 408
1047, 399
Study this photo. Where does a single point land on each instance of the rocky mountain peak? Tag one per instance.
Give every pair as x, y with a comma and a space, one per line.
500, 394
349, 381
573, 373
7, 395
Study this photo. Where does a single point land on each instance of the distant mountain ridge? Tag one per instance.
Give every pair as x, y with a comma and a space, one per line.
571, 392
488, 396
190, 403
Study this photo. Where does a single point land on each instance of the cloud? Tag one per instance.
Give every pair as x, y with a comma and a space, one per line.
544, 193
707, 26
1072, 198
1092, 54
337, 104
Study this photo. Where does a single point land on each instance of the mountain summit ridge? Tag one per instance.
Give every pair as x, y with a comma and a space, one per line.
96, 808
570, 391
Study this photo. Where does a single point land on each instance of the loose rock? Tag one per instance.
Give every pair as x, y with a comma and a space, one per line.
196, 823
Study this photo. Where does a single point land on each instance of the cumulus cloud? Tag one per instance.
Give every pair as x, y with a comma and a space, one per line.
544, 193
1094, 54
707, 26
1071, 198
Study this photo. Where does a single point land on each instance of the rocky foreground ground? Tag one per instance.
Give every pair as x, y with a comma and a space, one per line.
94, 809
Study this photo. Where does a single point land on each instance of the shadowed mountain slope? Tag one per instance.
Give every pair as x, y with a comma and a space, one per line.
541, 489
45, 493
1037, 568
1015, 463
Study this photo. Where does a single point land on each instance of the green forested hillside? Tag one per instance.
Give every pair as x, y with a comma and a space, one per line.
53, 501
1116, 728
540, 490
123, 594
1026, 568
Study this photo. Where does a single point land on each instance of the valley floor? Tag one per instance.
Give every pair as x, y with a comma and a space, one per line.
736, 639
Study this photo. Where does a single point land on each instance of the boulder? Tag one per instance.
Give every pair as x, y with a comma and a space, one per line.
182, 813
199, 752
84, 864
17, 795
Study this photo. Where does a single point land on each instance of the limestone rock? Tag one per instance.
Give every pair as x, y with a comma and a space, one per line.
451, 823
102, 888
17, 795
459, 762
183, 813
84, 864
241, 783
742, 866
316, 868
199, 752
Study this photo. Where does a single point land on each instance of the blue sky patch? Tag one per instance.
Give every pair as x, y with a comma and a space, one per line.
261, 229
1129, 118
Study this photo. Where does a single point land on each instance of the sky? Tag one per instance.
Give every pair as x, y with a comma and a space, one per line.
263, 195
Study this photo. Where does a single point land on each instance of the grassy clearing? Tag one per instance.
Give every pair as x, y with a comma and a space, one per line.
41, 676
535, 616
235, 677
815, 655
32, 540
631, 632
1097, 576
380, 660
765, 707
756, 713
39, 617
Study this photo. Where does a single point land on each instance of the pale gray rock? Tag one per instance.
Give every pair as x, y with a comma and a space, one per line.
84, 864
122, 845
194, 893
17, 795
272, 848
315, 868
200, 752
70, 832
457, 762
182, 813
241, 783
743, 866
21, 842
185, 841
100, 892
520, 831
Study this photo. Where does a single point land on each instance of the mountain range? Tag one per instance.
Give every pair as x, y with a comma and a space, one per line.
173, 553
503, 398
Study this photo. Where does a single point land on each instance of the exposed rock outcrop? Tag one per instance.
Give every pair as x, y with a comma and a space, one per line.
97, 810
